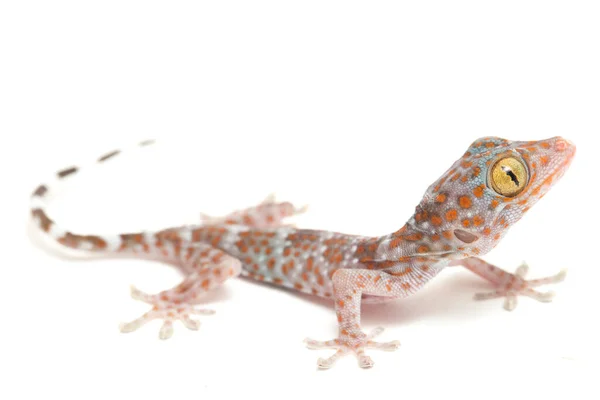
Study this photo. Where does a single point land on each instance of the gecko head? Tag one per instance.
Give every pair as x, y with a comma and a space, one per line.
489, 189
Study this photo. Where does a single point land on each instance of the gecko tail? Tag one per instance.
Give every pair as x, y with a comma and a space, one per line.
39, 203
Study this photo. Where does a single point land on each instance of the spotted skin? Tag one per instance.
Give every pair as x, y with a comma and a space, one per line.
461, 217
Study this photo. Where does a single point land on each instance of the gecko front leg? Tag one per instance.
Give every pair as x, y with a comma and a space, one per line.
207, 268
349, 285
508, 285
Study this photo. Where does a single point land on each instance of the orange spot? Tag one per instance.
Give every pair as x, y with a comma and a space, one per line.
341, 303
478, 191
465, 201
309, 264
466, 223
298, 286
271, 263
489, 145
423, 249
414, 237
435, 238
388, 287
447, 234
400, 231
405, 271
377, 278
451, 215
544, 160
477, 220
320, 280
205, 284
395, 243
440, 198
466, 164
494, 203
406, 285
487, 231
436, 220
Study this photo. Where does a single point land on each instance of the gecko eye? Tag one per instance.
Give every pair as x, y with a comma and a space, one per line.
509, 176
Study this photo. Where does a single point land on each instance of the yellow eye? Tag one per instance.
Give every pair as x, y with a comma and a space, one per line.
509, 176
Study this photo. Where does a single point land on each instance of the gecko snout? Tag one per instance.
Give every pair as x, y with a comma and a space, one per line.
562, 144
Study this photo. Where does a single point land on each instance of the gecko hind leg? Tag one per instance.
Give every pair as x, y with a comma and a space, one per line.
268, 214
208, 268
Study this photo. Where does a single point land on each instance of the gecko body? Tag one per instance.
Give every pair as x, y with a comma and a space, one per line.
462, 216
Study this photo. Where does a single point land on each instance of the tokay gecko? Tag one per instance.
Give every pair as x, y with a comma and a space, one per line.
462, 216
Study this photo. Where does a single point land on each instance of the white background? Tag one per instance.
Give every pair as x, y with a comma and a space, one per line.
351, 107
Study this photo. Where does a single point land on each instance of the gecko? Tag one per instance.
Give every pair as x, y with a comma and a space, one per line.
462, 216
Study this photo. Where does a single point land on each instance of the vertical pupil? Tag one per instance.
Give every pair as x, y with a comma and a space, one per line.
511, 174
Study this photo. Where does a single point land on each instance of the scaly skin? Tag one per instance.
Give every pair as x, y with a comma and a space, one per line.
462, 216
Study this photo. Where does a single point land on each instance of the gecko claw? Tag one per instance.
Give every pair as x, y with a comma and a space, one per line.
166, 330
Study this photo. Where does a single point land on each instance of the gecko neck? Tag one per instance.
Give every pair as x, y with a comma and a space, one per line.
399, 246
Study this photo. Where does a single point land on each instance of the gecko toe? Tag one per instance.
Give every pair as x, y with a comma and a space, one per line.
365, 361
166, 330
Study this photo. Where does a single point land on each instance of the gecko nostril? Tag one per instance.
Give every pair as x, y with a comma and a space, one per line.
562, 144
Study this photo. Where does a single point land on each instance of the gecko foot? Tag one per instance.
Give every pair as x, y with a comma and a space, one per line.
167, 310
517, 285
347, 344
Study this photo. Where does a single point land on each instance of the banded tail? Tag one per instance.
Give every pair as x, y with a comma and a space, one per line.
39, 203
